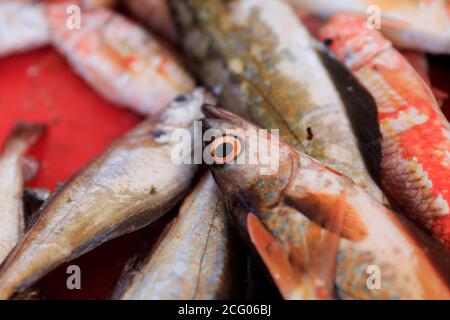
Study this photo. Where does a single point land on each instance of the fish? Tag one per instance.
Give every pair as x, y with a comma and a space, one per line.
12, 183
287, 218
415, 168
119, 59
261, 62
132, 183
419, 61
23, 26
197, 258
156, 15
422, 25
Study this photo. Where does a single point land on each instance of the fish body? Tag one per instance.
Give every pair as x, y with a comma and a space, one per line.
133, 183
196, 258
156, 15
261, 61
24, 23
119, 59
415, 168
422, 25
23, 26
12, 183
301, 204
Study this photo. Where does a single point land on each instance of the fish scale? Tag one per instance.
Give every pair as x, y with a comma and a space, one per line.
415, 169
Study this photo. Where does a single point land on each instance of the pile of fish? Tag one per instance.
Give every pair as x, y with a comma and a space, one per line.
357, 205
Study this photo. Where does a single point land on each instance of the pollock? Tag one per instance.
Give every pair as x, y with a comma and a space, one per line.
130, 185
319, 234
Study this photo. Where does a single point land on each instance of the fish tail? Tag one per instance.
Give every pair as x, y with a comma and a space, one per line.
23, 136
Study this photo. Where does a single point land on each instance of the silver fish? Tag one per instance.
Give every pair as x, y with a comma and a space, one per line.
130, 185
196, 258
12, 183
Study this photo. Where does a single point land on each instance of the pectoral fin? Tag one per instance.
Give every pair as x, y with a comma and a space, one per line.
305, 271
321, 208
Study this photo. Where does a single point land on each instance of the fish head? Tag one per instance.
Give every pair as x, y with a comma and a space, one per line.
186, 108
251, 166
352, 39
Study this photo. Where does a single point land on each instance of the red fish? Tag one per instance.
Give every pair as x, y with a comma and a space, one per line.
415, 169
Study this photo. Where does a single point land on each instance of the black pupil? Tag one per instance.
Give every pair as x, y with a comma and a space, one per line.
181, 98
224, 150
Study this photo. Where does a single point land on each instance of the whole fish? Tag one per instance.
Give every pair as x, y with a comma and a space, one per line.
422, 25
196, 258
133, 183
12, 184
119, 59
156, 15
415, 168
261, 61
288, 217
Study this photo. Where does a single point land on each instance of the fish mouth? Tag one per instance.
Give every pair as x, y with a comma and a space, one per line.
218, 118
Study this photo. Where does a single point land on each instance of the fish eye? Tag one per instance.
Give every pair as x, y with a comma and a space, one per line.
225, 149
181, 98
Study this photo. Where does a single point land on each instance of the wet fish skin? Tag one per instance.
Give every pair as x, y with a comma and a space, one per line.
12, 184
130, 185
278, 79
196, 258
415, 170
119, 59
296, 205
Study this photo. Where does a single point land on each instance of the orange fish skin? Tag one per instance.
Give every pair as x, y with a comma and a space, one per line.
415, 169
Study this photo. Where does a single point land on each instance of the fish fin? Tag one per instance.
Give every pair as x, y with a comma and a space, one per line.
23, 136
307, 271
362, 112
320, 208
440, 95
275, 257
330, 246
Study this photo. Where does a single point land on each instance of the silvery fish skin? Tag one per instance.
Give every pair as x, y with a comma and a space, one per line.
130, 185
296, 205
261, 61
12, 183
196, 259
